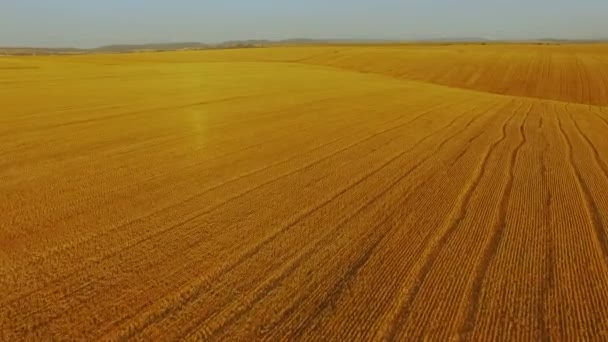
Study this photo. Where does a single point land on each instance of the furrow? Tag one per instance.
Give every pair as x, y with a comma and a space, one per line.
492, 246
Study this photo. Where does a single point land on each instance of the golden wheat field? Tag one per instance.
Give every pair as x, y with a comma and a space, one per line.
351, 192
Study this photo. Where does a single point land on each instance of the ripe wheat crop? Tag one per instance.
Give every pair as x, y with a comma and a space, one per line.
334, 192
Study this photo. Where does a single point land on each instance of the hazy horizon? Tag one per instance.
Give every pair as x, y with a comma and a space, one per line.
71, 23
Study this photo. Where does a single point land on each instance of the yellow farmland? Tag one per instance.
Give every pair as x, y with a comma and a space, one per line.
317, 193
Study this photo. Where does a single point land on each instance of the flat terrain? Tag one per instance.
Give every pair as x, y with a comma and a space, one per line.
317, 193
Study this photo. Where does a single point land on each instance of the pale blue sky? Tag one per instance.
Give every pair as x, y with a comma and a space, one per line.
89, 23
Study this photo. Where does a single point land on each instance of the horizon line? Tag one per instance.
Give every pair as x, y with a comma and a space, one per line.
314, 40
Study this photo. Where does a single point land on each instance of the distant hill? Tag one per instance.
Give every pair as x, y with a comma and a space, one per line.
454, 40
182, 46
27, 51
572, 41
151, 47
256, 43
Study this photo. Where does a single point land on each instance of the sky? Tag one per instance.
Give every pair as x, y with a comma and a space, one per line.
91, 23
